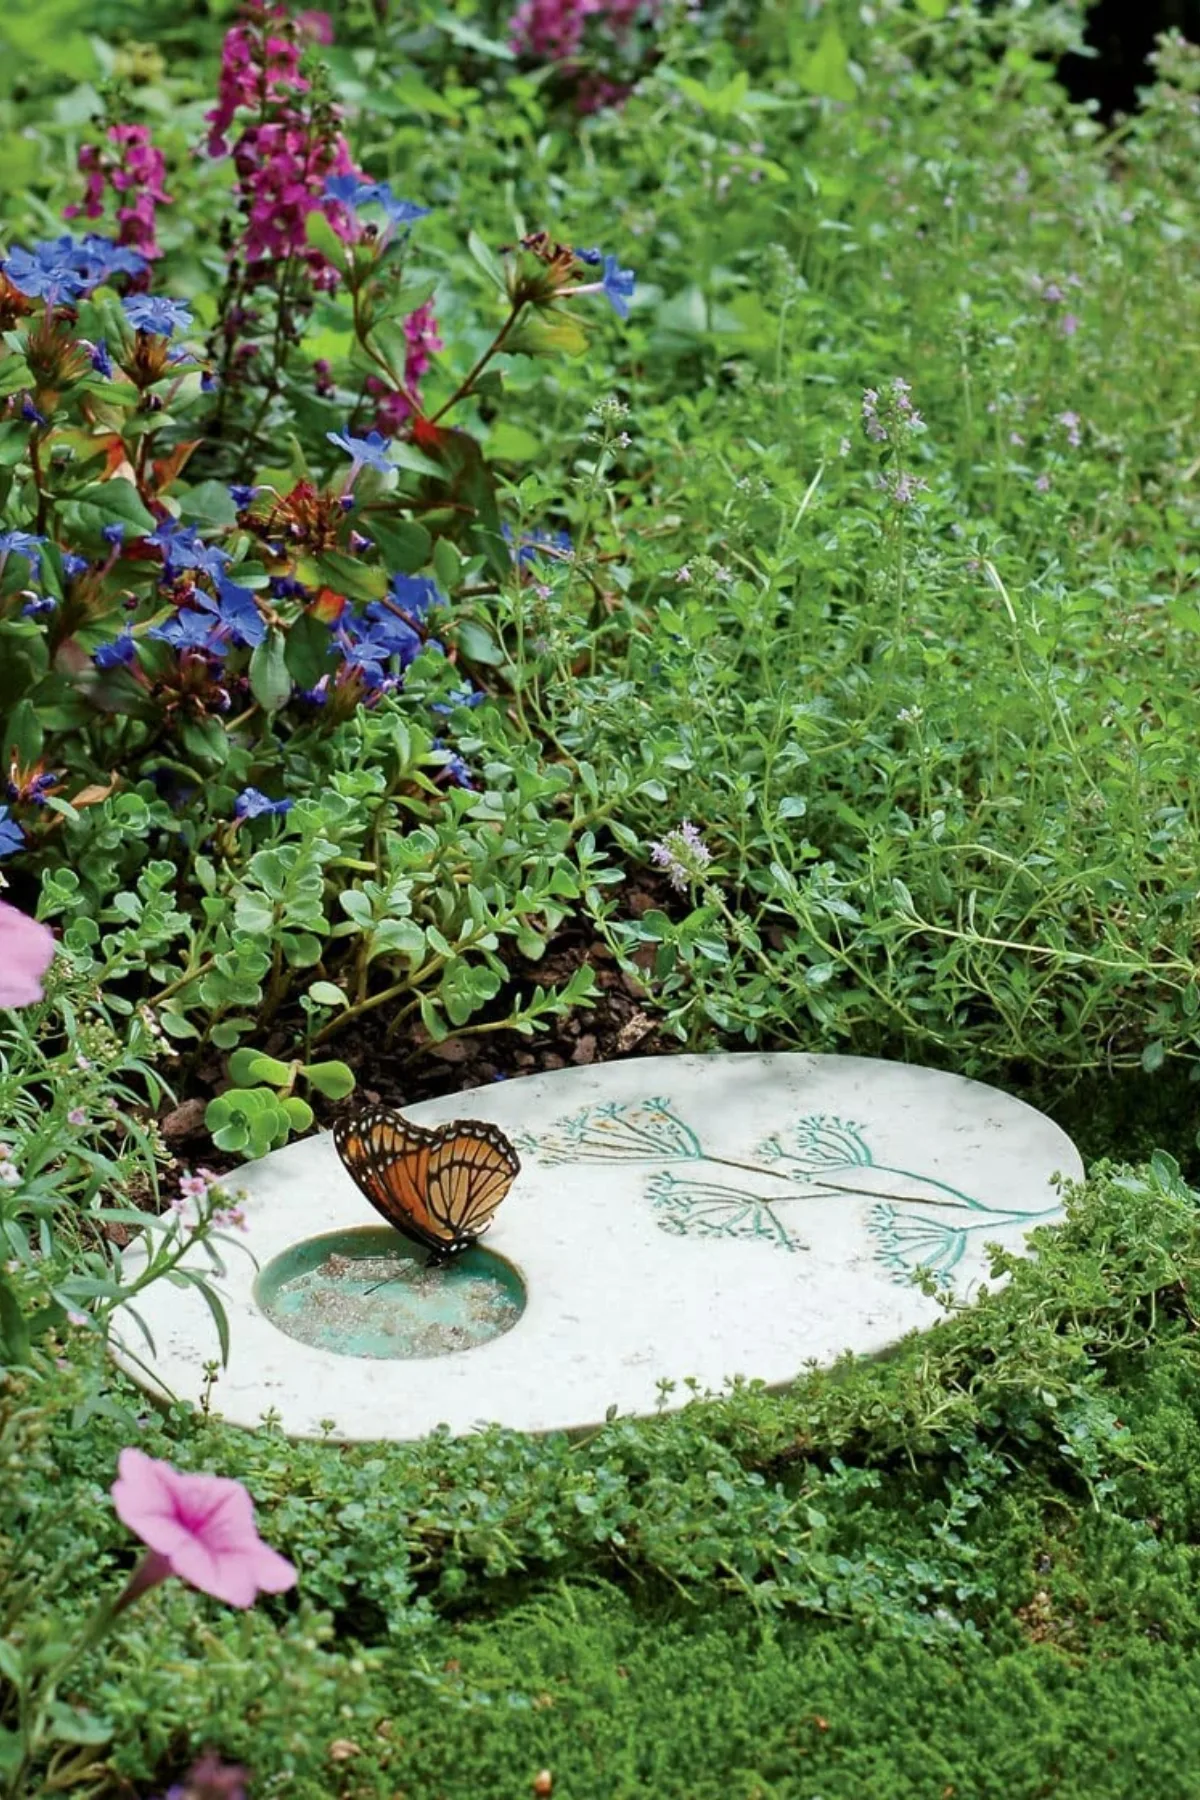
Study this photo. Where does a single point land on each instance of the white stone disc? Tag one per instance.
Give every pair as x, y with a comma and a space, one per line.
676, 1219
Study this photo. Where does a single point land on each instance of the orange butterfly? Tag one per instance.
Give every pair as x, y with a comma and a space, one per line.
440, 1186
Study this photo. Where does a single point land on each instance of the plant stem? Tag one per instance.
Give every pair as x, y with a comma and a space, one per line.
464, 387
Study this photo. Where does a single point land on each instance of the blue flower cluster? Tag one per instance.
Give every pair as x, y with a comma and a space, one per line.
530, 547
184, 549
231, 617
349, 191
379, 645
156, 314
251, 804
12, 838
453, 764
22, 543
117, 655
616, 284
66, 268
208, 622
370, 452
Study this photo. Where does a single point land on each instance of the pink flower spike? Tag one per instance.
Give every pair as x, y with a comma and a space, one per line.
199, 1527
26, 952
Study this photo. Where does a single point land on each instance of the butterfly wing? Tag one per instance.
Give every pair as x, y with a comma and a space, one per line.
470, 1171
441, 1187
390, 1161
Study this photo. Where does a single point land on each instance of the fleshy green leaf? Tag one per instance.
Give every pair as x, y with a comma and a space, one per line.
270, 678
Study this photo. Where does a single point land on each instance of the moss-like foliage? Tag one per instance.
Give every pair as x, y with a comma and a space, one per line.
968, 1568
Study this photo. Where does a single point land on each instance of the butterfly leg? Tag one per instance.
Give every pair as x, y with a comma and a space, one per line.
386, 1282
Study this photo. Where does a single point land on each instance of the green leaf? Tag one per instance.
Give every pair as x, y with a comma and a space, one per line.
403, 543
23, 732
307, 650
447, 564
1154, 1056
67, 52
333, 1079
407, 456
547, 334
205, 739
118, 500
433, 1020
477, 644
470, 39
347, 575
827, 71
212, 1300
175, 1025
226, 1032
270, 678
247, 1067
14, 441
210, 502
399, 937
300, 1114
487, 260
326, 994
14, 1334
423, 99
11, 1750
75, 1725
323, 238
513, 443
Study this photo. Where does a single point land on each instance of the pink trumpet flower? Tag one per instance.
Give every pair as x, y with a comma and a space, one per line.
199, 1527
26, 952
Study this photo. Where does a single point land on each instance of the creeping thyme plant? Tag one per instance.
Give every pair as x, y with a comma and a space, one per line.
510, 503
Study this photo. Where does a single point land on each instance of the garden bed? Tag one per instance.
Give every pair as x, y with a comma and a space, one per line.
529, 541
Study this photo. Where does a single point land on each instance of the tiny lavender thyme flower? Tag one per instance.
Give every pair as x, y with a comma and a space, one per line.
682, 855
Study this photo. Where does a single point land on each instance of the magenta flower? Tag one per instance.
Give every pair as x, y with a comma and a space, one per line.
135, 171
553, 30
396, 405
26, 952
211, 1779
258, 70
550, 30
199, 1527
286, 148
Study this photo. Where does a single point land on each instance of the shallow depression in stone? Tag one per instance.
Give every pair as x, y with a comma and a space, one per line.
368, 1293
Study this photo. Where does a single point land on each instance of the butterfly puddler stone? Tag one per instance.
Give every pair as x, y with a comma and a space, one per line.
675, 1219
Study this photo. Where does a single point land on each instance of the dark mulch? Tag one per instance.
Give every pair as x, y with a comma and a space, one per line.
617, 1025
403, 1070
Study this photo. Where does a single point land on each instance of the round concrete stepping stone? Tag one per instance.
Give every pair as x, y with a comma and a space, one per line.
676, 1220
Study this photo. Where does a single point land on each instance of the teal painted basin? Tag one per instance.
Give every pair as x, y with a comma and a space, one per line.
368, 1293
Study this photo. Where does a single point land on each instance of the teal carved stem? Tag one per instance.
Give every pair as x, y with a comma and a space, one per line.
836, 1187
732, 1162
929, 1181
1009, 1218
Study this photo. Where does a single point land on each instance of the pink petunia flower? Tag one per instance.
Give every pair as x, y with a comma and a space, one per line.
199, 1527
26, 952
